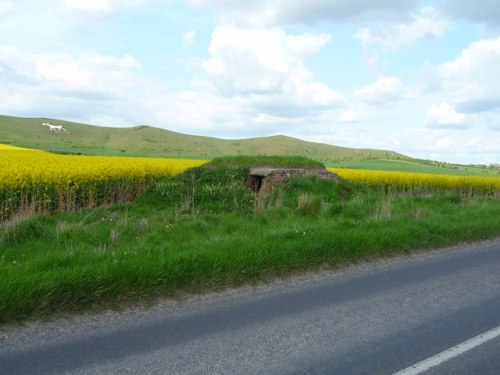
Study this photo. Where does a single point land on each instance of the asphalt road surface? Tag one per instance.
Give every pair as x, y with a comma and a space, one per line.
433, 313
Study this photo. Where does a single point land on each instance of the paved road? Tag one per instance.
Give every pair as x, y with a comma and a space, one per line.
379, 318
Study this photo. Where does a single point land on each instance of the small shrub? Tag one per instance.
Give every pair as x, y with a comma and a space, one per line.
384, 209
25, 230
308, 204
272, 201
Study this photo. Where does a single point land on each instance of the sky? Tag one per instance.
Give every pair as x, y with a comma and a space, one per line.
419, 77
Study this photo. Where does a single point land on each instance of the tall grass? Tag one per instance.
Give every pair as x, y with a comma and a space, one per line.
204, 229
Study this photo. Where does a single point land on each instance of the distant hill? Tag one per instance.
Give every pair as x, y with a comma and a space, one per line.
149, 141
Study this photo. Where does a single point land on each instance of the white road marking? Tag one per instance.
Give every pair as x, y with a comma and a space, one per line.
436, 360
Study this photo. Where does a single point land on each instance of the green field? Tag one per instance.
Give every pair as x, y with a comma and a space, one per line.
206, 230
416, 167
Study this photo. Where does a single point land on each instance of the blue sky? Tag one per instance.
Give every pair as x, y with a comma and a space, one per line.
417, 77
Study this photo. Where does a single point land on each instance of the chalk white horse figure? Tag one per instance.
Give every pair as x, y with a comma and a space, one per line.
54, 128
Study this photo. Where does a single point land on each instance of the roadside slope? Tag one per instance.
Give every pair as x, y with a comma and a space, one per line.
378, 317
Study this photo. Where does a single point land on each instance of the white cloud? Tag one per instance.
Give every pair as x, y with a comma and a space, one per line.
6, 6
307, 44
63, 83
97, 8
280, 12
493, 120
466, 146
91, 88
427, 23
189, 37
445, 116
266, 68
473, 77
200, 110
483, 11
443, 143
350, 116
383, 90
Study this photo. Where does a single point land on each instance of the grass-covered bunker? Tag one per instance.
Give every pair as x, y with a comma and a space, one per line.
264, 179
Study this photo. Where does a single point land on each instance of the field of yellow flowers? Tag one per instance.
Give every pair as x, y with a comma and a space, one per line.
38, 181
421, 183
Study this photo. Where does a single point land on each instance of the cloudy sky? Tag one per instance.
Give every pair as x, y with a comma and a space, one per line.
418, 77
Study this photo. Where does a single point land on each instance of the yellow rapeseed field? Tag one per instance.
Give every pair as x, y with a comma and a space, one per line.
407, 182
38, 181
41, 181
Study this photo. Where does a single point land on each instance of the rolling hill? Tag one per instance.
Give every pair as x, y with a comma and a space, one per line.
155, 142
150, 141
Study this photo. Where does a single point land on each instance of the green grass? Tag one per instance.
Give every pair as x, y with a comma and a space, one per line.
244, 161
204, 230
417, 167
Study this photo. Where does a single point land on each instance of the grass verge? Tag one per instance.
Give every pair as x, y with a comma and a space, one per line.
204, 230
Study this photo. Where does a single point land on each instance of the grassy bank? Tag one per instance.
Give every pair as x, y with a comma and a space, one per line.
204, 230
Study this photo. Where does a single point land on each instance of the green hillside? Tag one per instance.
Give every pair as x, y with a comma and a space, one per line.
155, 142
150, 141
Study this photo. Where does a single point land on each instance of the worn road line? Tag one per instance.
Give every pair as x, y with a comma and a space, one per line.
455, 351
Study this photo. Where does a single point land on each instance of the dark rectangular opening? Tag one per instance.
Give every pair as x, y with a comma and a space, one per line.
255, 183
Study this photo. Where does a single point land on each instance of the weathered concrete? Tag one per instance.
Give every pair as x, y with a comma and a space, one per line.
264, 180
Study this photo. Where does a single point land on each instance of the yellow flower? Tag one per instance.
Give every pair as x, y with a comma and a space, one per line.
408, 182
36, 177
